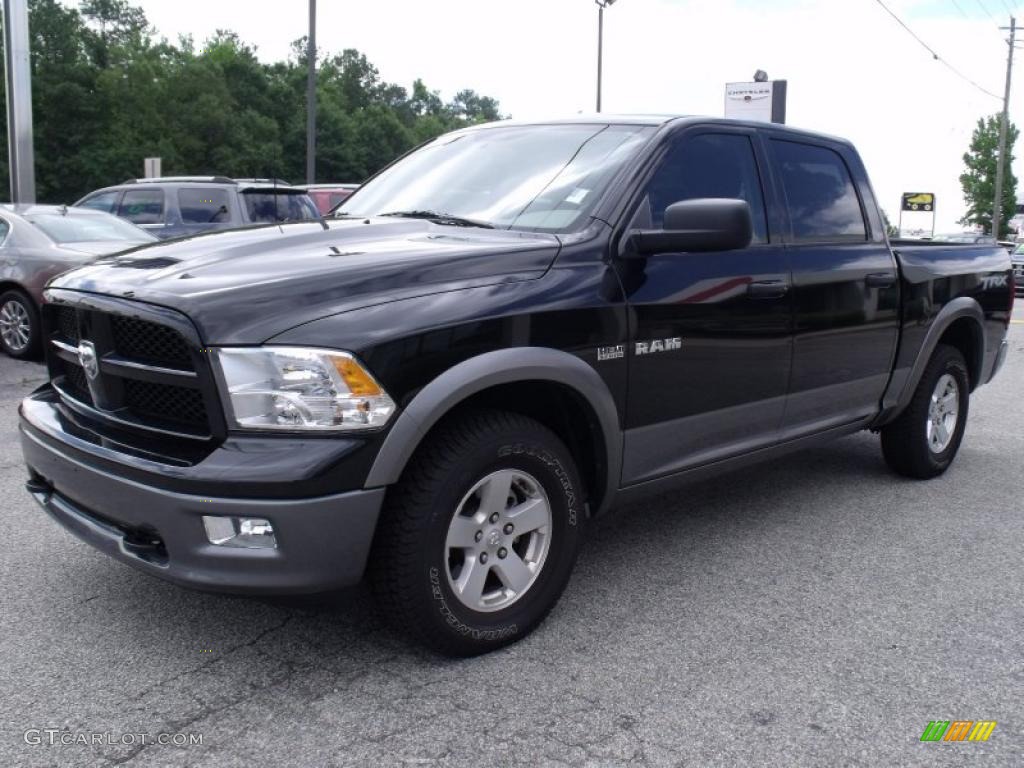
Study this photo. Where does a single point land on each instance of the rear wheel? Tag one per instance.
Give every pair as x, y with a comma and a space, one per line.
478, 539
19, 325
923, 441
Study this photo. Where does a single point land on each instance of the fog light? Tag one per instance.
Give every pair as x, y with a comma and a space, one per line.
247, 532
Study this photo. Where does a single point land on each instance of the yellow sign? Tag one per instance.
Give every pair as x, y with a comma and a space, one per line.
918, 201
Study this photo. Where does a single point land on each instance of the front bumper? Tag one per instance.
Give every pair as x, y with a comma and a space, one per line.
322, 542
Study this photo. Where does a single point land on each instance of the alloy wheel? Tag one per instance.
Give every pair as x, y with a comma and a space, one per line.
498, 540
943, 412
15, 325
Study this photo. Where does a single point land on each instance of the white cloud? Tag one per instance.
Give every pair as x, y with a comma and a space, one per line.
852, 70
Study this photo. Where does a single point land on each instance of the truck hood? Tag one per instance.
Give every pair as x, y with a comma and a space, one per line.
245, 286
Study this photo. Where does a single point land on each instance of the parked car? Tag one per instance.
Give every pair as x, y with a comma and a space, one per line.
38, 242
178, 206
1018, 269
501, 336
965, 237
327, 197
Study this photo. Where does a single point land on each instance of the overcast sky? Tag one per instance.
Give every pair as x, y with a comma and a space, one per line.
852, 70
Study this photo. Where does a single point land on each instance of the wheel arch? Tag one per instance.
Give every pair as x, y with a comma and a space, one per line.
13, 285
959, 323
554, 387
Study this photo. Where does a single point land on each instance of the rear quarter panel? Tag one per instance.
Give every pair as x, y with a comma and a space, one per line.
933, 276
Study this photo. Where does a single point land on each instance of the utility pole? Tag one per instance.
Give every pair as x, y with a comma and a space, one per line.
18, 68
997, 208
311, 97
601, 5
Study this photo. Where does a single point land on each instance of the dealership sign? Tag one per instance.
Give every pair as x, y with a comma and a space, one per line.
760, 101
918, 201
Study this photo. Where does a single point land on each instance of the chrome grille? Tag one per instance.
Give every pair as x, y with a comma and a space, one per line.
150, 376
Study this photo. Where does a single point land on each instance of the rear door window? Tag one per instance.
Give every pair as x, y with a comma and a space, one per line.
101, 201
204, 206
820, 194
142, 206
266, 206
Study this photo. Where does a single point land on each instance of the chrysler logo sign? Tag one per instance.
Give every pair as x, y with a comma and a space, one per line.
87, 357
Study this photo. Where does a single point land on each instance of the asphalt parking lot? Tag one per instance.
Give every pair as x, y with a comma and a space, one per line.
813, 611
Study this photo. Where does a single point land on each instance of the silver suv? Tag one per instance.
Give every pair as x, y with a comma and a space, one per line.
178, 206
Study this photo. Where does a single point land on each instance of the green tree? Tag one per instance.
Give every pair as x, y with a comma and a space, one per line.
979, 179
107, 93
890, 229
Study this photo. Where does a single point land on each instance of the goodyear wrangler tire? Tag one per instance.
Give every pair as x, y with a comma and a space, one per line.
477, 541
923, 441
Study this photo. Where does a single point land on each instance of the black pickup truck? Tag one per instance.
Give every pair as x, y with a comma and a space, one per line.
502, 335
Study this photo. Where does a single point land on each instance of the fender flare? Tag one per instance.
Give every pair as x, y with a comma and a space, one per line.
901, 388
505, 366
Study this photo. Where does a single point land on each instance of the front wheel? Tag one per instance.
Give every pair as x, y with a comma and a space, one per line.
478, 539
923, 441
19, 325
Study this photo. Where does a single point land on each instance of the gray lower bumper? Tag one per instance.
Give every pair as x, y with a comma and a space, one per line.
322, 543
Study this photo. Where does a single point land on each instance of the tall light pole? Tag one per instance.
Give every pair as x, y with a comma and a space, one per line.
19, 101
311, 97
997, 208
601, 5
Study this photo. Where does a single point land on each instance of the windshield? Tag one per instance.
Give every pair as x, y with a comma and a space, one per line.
545, 177
90, 228
266, 206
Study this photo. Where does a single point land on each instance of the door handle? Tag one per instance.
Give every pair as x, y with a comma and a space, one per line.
767, 289
880, 280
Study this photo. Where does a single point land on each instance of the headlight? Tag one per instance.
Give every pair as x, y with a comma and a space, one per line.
301, 389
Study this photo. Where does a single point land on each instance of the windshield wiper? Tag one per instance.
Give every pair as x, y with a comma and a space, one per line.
440, 218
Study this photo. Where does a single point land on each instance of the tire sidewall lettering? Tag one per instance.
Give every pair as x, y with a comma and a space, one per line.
569, 490
453, 621
455, 617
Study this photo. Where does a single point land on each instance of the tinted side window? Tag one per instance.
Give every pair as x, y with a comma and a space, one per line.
142, 206
5, 228
822, 200
103, 201
710, 165
266, 206
203, 206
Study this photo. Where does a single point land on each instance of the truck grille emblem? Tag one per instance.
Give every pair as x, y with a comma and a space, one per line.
87, 357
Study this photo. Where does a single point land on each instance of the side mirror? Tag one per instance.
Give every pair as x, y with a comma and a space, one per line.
707, 224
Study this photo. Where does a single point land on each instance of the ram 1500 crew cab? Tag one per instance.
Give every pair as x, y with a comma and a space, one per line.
500, 336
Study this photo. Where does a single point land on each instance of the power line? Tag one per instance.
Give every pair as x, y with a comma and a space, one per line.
957, 6
987, 13
935, 55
